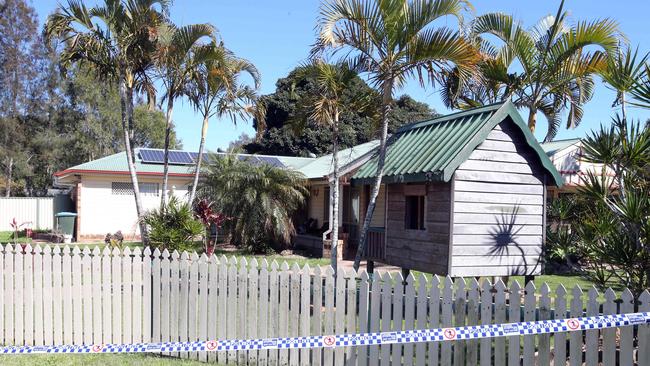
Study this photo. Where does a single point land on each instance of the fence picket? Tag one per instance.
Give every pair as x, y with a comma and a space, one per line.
473, 296
178, 297
544, 350
202, 321
77, 299
222, 303
38, 295
156, 293
231, 312
305, 306
165, 298
351, 315
397, 320
284, 311
409, 317
421, 316
626, 333
273, 309
317, 317
500, 318
263, 314
339, 314
514, 316
192, 304
575, 338
559, 351
87, 296
147, 288
328, 321
9, 296
252, 305
138, 294
115, 292
460, 308
446, 320
57, 299
294, 314
375, 308
213, 307
98, 333
485, 356
127, 296
434, 318
591, 339
28, 295
644, 331
66, 272
386, 305
530, 306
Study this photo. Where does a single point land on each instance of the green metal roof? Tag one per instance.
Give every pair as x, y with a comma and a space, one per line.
432, 150
322, 166
550, 148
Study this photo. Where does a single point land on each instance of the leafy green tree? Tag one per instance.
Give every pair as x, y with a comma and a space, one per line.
258, 200
178, 52
392, 41
276, 134
116, 41
215, 88
173, 226
558, 61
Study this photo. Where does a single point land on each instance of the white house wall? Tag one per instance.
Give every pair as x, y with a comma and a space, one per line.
102, 212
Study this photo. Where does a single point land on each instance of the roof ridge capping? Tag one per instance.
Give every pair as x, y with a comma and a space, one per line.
451, 116
502, 110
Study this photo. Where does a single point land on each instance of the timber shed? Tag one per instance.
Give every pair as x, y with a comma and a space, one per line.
465, 195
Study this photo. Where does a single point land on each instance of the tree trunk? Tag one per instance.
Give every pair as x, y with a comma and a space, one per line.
10, 170
532, 119
168, 131
204, 132
126, 106
385, 109
335, 196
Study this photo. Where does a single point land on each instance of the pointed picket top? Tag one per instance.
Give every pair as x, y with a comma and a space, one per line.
203, 258
295, 267
274, 265
137, 252
410, 280
175, 255
165, 254
106, 251
243, 263
86, 251
435, 281
64, 251
96, 251
530, 288
37, 249
627, 296
545, 290
7, 248
593, 294
460, 283
610, 295
28, 248
576, 293
515, 288
500, 286
233, 260
473, 284
644, 299
422, 278
126, 252
264, 264
317, 272
157, 253
55, 251
285, 266
449, 283
194, 257
364, 275
560, 291
399, 279
486, 285
147, 251
306, 269
223, 260
329, 271
76, 250
116, 252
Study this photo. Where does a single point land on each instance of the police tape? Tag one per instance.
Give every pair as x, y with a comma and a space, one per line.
360, 339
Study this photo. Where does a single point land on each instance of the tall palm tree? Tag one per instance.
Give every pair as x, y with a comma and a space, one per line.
557, 69
179, 51
324, 108
214, 89
116, 40
622, 72
392, 41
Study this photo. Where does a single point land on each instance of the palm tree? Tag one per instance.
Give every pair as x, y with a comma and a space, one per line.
116, 41
392, 41
622, 73
557, 71
214, 90
324, 108
179, 52
258, 200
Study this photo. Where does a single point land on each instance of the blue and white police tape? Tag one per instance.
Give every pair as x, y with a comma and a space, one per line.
361, 339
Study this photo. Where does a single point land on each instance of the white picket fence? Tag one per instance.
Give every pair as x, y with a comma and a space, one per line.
62, 296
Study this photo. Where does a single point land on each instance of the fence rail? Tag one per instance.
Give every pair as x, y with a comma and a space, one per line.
55, 295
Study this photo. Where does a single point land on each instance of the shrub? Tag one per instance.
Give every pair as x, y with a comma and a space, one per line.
173, 227
114, 240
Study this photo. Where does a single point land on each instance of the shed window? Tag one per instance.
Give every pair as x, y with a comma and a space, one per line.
414, 218
124, 188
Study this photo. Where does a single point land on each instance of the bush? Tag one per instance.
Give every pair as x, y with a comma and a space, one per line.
173, 227
114, 240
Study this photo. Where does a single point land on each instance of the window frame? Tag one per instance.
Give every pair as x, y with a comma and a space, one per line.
421, 202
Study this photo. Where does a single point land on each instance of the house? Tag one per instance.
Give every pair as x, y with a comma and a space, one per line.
463, 195
103, 191
566, 156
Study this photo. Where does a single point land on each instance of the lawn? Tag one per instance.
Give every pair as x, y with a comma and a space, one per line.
8, 237
95, 360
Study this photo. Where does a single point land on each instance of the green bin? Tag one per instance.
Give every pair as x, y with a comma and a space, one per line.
65, 222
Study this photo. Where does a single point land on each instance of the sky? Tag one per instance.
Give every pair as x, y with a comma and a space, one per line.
276, 36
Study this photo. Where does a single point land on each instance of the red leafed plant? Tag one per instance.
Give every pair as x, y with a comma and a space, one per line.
16, 227
208, 216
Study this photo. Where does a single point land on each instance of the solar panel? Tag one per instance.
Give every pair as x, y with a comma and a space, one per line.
151, 156
271, 161
180, 157
158, 157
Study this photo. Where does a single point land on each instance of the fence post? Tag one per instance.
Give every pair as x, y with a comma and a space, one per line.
643, 353
627, 348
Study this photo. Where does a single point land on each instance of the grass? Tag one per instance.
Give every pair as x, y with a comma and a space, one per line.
95, 360
300, 260
8, 237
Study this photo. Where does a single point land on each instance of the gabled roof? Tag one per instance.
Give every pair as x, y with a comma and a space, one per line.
553, 147
432, 150
321, 167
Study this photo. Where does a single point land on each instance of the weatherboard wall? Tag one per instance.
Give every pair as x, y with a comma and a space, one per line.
498, 208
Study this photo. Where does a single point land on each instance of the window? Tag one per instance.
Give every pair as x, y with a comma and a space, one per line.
414, 218
126, 189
